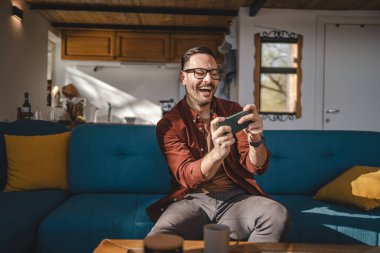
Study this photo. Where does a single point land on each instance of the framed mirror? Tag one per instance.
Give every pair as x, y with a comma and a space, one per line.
278, 74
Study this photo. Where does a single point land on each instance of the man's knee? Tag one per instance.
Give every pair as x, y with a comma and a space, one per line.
272, 225
274, 217
280, 219
281, 214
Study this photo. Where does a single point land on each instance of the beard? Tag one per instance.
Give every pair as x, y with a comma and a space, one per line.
195, 97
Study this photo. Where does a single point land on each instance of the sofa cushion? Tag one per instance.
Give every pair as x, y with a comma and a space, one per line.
357, 187
24, 128
124, 158
37, 162
303, 161
21, 213
323, 222
85, 219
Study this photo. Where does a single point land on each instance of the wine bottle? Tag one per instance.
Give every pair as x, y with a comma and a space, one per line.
26, 108
49, 87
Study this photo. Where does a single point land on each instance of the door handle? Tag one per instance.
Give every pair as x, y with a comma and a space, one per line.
332, 111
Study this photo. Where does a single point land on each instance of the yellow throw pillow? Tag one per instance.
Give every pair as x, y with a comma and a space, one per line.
37, 162
359, 187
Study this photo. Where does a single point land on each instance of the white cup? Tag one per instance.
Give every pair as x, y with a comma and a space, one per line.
217, 238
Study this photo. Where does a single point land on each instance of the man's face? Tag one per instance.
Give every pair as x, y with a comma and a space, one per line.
199, 92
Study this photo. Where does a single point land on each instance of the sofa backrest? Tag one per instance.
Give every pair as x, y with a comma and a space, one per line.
126, 158
35, 127
116, 158
302, 161
23, 128
3, 156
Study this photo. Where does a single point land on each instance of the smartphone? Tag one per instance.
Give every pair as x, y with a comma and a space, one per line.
232, 121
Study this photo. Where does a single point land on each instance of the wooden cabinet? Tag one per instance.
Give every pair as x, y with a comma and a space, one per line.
142, 47
181, 42
87, 45
133, 46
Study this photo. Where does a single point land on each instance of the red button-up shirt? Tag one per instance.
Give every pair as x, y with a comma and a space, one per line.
182, 139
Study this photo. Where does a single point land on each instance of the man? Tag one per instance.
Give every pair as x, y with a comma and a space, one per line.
212, 169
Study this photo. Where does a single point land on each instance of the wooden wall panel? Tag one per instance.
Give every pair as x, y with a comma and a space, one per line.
88, 45
145, 47
183, 41
134, 46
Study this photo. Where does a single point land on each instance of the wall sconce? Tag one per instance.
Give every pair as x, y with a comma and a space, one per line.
17, 12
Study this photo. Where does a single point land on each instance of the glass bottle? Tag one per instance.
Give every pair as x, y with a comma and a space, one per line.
26, 107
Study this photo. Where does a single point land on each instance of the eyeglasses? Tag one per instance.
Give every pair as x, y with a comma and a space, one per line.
200, 73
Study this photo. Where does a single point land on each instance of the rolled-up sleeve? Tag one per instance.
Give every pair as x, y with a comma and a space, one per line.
185, 168
243, 148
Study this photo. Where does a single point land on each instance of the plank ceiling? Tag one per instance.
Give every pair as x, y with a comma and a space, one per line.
172, 15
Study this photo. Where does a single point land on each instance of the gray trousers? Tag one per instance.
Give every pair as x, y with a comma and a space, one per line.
255, 218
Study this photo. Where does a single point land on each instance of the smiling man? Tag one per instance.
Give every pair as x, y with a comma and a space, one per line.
212, 168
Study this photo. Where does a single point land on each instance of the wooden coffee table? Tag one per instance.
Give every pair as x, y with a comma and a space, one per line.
136, 246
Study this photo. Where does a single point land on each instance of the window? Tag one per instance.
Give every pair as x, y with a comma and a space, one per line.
278, 74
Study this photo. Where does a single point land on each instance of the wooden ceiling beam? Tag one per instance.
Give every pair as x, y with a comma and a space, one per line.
255, 6
143, 27
134, 9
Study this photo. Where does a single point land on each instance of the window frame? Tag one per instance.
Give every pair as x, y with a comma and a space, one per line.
277, 37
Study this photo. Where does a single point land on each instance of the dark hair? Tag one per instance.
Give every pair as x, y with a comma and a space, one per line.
195, 50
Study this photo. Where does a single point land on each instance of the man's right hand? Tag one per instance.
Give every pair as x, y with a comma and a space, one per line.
222, 138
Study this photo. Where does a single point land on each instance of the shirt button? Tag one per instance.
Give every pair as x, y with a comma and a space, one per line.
162, 209
194, 120
174, 200
200, 129
202, 149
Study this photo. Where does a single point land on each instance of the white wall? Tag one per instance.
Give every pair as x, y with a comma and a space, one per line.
144, 82
306, 23
133, 89
23, 59
150, 82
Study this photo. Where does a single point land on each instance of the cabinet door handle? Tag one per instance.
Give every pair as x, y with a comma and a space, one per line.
332, 111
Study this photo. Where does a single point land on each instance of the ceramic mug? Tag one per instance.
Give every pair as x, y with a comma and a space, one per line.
217, 238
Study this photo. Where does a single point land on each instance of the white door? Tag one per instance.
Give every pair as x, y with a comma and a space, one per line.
352, 77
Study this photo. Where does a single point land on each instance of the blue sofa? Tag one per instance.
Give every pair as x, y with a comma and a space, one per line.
116, 171
22, 212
